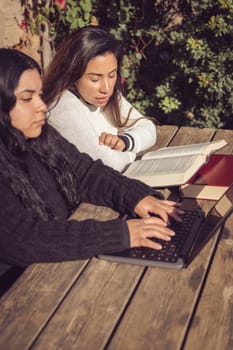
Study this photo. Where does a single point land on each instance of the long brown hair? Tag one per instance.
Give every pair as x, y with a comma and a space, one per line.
14, 147
70, 62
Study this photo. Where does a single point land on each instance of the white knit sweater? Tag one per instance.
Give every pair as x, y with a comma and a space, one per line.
82, 124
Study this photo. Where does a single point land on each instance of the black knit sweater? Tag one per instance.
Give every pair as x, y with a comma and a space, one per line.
26, 239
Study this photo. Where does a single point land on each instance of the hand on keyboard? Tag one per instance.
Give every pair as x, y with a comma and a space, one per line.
141, 230
163, 208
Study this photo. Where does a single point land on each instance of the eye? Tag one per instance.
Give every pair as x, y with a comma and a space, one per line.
25, 97
28, 99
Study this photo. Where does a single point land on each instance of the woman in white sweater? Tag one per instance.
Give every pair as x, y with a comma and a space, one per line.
82, 87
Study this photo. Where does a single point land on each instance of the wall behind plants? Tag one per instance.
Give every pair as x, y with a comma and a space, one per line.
178, 55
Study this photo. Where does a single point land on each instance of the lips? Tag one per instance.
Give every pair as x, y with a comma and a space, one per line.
102, 99
40, 122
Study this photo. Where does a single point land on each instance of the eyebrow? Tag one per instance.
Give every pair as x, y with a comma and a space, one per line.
31, 91
26, 90
100, 75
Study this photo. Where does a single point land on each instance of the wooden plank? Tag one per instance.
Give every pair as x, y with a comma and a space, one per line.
212, 325
160, 311
216, 302
34, 297
228, 136
91, 310
189, 135
165, 134
89, 211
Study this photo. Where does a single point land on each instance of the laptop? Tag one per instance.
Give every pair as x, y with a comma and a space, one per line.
191, 236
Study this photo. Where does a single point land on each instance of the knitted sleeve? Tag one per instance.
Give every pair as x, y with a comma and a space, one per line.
26, 239
102, 185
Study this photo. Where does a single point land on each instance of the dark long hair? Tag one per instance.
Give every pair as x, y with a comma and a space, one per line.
13, 145
70, 62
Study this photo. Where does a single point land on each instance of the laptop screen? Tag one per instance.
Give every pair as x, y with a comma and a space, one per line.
214, 220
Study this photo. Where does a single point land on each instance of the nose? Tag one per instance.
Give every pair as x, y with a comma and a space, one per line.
104, 86
41, 106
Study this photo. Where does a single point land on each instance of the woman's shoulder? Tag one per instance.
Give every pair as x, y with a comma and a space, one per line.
67, 104
68, 97
66, 100
70, 102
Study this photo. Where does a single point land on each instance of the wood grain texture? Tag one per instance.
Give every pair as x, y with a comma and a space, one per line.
165, 134
28, 305
92, 309
212, 324
159, 314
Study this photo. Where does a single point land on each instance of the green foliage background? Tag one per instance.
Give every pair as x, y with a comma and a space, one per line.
177, 54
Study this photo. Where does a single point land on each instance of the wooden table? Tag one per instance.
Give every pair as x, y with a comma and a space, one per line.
94, 304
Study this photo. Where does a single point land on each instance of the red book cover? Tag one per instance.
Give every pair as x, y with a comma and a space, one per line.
218, 171
212, 179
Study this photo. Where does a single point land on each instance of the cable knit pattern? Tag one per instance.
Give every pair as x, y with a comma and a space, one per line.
26, 240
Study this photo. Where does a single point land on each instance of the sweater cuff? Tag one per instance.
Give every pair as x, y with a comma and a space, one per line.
116, 236
137, 190
128, 140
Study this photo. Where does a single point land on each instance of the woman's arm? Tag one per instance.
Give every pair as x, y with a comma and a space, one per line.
142, 135
74, 121
102, 185
26, 239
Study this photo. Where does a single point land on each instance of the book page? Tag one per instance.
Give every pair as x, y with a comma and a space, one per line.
161, 166
197, 148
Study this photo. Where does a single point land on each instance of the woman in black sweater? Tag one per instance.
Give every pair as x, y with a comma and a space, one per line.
43, 179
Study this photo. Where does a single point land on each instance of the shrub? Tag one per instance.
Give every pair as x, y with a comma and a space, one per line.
178, 58
177, 54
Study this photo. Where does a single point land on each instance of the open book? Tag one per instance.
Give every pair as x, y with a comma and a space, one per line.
172, 166
212, 180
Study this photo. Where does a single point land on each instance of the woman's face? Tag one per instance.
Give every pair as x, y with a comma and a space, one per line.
28, 114
98, 81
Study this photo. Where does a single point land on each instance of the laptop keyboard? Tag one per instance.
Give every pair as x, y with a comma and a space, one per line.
170, 251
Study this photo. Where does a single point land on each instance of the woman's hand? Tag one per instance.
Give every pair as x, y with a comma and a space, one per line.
140, 230
112, 141
162, 208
